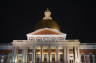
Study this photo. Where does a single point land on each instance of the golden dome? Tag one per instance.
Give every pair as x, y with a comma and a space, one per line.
47, 22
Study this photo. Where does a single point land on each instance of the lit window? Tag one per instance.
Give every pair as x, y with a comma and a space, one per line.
61, 57
37, 57
53, 57
45, 57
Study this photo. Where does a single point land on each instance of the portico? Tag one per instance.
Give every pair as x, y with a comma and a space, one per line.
37, 52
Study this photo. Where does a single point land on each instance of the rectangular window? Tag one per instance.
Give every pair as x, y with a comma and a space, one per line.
95, 59
37, 57
61, 57
29, 57
20, 57
45, 57
82, 58
53, 57
91, 58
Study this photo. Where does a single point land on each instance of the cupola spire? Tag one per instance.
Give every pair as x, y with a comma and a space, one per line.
47, 15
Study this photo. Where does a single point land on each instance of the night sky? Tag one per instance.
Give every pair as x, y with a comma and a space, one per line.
76, 18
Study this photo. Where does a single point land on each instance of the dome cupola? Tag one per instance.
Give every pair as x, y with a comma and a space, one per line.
47, 22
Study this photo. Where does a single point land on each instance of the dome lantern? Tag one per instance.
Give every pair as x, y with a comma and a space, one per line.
47, 14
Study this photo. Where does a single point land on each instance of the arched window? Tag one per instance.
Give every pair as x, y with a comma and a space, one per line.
71, 61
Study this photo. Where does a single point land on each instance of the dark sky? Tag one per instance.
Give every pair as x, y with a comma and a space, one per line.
75, 17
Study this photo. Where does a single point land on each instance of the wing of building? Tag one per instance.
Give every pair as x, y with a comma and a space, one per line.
47, 44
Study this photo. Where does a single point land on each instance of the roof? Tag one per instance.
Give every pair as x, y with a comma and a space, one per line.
47, 24
46, 31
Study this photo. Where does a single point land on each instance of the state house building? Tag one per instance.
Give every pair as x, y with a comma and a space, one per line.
47, 44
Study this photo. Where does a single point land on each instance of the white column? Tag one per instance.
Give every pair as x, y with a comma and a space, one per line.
65, 55
41, 54
74, 49
32, 55
49, 54
84, 59
75, 54
56, 54
88, 58
24, 55
78, 55
67, 51
14, 54
33, 60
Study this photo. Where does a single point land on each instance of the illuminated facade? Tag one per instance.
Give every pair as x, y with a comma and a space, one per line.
47, 44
